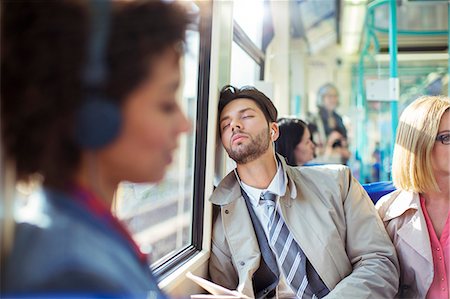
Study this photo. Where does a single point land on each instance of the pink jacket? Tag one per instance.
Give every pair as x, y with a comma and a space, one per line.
405, 223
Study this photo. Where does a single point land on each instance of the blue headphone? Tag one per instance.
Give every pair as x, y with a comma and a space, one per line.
99, 119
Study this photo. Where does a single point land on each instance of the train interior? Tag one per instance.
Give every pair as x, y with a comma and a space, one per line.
287, 49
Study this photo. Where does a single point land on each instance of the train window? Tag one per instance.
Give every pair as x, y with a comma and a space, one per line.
244, 70
247, 56
161, 216
251, 23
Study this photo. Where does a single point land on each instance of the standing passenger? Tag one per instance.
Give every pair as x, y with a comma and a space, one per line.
330, 127
325, 235
88, 95
417, 215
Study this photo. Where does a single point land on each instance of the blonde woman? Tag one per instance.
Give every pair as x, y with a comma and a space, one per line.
416, 216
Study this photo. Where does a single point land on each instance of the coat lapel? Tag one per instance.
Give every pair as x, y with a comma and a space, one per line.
301, 224
242, 241
414, 232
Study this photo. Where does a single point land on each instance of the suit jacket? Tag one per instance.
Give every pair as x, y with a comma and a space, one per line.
331, 218
61, 249
405, 223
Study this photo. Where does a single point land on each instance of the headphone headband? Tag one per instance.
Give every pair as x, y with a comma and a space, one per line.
99, 118
94, 75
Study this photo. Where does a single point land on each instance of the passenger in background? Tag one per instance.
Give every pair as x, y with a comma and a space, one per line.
336, 149
331, 134
376, 166
295, 141
294, 232
417, 215
88, 99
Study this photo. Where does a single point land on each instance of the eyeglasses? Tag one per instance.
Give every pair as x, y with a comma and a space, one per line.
444, 138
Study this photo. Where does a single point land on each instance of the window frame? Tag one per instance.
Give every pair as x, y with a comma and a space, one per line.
248, 46
257, 53
164, 268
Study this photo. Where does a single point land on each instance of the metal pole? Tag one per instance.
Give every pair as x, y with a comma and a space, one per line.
393, 80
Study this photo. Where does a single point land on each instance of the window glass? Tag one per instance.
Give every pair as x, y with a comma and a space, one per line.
244, 70
249, 15
160, 215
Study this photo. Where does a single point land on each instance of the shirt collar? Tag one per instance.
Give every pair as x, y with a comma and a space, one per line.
276, 186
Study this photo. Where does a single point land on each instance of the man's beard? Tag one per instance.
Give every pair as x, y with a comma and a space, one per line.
248, 153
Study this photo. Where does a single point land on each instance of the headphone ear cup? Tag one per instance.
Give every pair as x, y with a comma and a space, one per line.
98, 123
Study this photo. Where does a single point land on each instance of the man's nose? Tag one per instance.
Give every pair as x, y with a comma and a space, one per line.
236, 125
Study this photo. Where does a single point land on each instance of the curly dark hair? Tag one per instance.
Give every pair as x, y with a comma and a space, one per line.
43, 52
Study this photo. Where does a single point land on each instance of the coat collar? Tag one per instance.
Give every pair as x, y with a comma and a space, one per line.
406, 200
229, 189
414, 232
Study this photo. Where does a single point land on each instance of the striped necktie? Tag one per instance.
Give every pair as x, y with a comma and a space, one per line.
289, 254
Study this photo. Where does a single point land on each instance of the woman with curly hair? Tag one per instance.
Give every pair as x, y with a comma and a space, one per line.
88, 99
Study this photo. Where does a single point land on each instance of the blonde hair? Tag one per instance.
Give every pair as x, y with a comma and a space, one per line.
416, 135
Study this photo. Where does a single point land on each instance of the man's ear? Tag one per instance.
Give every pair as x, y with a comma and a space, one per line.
274, 132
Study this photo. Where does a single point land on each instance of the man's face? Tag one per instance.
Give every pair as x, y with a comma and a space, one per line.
245, 131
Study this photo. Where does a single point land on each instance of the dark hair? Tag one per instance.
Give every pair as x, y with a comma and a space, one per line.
291, 131
43, 48
312, 127
230, 93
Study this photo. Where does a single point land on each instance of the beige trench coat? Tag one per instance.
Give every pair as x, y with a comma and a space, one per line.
405, 223
332, 219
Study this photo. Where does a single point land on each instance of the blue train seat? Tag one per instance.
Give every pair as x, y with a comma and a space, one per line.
377, 189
